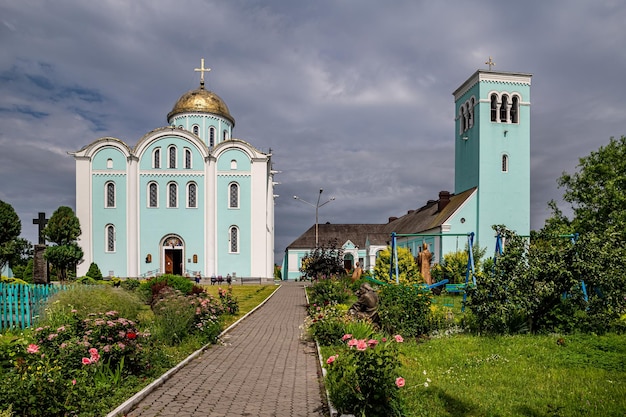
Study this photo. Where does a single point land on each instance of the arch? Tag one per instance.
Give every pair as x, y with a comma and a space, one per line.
505, 163
233, 164
110, 238
504, 109
173, 254
192, 195
494, 107
172, 195
109, 194
212, 136
515, 109
233, 195
156, 158
471, 112
195, 129
233, 239
171, 156
462, 119
188, 158
153, 194
109, 163
225, 134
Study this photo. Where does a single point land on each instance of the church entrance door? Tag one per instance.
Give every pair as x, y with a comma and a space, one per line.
174, 261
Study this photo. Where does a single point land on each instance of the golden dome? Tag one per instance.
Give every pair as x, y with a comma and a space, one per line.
202, 101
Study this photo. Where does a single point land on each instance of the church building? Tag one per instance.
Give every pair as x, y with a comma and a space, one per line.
187, 199
491, 182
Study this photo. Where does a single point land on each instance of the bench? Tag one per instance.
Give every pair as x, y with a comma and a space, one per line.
455, 288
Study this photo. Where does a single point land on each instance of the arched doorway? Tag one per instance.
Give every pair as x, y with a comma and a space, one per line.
173, 255
348, 262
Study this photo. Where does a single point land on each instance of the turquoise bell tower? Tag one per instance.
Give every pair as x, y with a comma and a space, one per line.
492, 149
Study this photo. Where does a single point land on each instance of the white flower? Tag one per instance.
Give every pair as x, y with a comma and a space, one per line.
426, 384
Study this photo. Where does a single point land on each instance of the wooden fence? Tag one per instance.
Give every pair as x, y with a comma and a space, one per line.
20, 304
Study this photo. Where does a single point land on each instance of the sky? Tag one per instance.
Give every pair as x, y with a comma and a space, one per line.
351, 96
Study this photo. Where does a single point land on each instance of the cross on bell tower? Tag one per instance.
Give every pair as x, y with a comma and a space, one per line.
202, 70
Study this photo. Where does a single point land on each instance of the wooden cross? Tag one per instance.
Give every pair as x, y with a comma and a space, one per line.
41, 221
490, 63
202, 70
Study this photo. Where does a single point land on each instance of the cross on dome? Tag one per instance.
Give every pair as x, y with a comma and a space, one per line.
202, 70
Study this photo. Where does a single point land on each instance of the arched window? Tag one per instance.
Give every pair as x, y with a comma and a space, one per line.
187, 158
471, 113
504, 109
211, 136
505, 163
156, 158
494, 107
171, 151
110, 238
110, 195
226, 135
195, 129
233, 164
109, 163
234, 239
515, 110
192, 195
172, 195
233, 195
462, 119
153, 195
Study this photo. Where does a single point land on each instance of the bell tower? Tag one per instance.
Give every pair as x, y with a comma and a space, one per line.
492, 149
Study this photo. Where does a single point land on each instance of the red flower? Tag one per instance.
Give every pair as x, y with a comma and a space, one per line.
131, 335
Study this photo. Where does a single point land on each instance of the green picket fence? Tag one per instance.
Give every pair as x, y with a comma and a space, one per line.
20, 304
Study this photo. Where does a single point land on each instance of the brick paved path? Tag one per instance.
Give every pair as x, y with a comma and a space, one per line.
263, 368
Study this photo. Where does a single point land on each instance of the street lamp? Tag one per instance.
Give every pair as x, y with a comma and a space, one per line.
317, 207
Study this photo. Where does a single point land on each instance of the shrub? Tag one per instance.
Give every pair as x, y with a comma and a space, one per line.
327, 324
329, 291
130, 284
404, 309
363, 377
177, 282
408, 271
94, 271
228, 301
89, 299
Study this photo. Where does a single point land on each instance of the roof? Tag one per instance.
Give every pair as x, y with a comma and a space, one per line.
425, 218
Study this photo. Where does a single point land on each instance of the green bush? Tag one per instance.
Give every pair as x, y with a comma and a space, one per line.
150, 288
363, 377
329, 291
408, 271
404, 309
130, 284
94, 271
87, 299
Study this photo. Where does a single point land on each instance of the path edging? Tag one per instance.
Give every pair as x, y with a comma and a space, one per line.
129, 404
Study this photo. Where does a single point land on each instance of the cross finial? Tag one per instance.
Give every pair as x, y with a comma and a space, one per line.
202, 70
490, 63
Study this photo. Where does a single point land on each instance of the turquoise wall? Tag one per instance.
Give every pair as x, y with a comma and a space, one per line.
240, 217
503, 197
103, 216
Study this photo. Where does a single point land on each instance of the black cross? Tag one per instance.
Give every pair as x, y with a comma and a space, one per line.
41, 221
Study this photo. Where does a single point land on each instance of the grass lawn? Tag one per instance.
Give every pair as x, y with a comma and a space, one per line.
248, 296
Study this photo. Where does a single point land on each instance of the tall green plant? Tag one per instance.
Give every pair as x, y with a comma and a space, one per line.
404, 309
408, 271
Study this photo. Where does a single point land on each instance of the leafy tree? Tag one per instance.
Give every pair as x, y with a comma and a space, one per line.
10, 229
63, 230
323, 262
408, 271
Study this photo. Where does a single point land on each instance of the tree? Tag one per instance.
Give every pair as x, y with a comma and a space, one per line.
408, 271
94, 271
323, 262
10, 229
63, 230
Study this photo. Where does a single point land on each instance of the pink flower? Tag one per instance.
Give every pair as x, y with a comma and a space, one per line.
372, 342
331, 359
384, 339
399, 338
352, 342
32, 348
73, 382
361, 345
86, 361
346, 337
93, 351
400, 382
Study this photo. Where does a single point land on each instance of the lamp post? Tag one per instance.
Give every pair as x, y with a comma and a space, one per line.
317, 208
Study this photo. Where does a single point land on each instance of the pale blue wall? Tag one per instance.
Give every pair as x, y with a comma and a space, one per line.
238, 263
103, 216
503, 197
